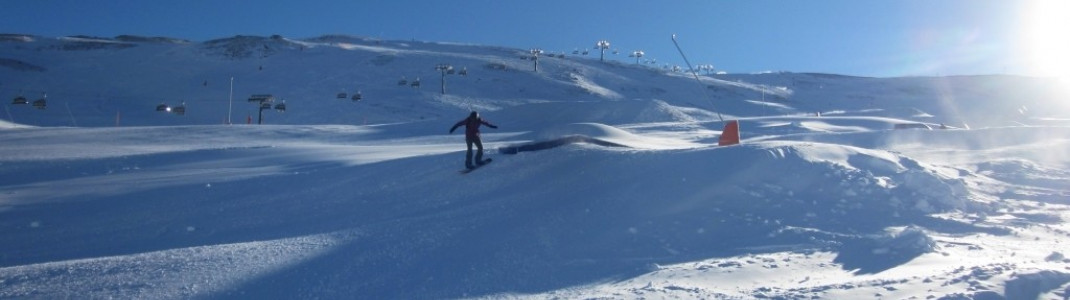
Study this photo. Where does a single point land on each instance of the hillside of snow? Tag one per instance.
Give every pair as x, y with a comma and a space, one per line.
103, 196
93, 82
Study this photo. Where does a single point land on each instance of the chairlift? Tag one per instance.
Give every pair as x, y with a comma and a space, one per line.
357, 96
261, 98
40, 103
20, 100
342, 96
416, 83
162, 107
281, 107
180, 109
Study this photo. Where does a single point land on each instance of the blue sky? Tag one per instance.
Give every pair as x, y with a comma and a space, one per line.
867, 38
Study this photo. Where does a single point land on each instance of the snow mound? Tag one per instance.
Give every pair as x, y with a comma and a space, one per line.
607, 133
7, 37
875, 254
901, 182
1055, 257
1024, 172
819, 126
7, 125
594, 130
244, 46
535, 114
1032, 285
681, 205
592, 87
661, 111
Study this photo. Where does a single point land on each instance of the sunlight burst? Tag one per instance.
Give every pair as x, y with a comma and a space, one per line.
1046, 41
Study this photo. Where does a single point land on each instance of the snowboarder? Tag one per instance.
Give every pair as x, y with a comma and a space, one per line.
471, 136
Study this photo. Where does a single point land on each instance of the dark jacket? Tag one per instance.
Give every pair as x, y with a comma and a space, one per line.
471, 126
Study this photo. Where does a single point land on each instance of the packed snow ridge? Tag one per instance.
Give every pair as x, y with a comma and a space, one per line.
607, 181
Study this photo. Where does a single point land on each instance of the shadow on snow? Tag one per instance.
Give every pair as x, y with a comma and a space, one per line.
496, 231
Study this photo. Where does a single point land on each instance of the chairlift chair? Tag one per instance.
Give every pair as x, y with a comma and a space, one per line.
416, 83
40, 103
162, 107
179, 110
265, 105
281, 107
20, 100
342, 95
357, 96
403, 81
261, 98
463, 72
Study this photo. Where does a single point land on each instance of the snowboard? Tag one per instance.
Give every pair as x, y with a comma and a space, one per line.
485, 162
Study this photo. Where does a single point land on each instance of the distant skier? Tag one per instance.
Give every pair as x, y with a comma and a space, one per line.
471, 136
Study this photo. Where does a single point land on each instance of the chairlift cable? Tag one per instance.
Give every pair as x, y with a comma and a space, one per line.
9, 117
69, 113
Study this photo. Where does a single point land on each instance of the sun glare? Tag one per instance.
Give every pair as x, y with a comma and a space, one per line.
1046, 39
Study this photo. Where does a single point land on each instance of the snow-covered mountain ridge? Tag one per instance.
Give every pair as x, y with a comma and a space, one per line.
88, 81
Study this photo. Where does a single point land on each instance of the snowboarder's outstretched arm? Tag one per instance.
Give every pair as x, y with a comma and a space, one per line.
457, 125
481, 120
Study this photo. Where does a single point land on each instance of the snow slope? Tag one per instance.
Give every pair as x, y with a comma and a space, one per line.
319, 205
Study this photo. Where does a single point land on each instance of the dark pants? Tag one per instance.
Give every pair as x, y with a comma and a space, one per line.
479, 146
